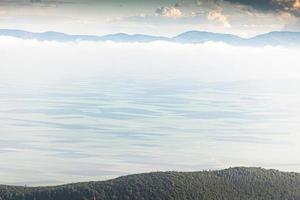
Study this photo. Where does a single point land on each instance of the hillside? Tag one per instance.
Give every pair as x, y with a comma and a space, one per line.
231, 184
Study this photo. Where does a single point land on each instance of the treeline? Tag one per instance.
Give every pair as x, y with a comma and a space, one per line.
229, 184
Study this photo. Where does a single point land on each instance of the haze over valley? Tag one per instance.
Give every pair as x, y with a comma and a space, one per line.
97, 110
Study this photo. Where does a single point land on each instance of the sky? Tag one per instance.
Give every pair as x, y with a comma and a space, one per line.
166, 17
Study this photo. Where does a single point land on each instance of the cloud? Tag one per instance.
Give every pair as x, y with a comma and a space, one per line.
286, 16
270, 5
245, 17
216, 15
296, 4
257, 4
166, 11
158, 60
26, 3
289, 5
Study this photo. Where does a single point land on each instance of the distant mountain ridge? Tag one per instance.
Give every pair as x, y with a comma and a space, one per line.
279, 38
62, 37
201, 37
231, 184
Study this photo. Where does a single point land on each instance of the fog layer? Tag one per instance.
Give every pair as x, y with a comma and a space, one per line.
31, 60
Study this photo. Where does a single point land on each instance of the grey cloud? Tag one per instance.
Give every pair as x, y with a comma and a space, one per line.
166, 11
257, 4
270, 5
44, 2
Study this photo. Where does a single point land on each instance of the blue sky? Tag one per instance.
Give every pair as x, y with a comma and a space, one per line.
166, 17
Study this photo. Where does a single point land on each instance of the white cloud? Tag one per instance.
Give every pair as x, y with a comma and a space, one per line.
166, 11
216, 15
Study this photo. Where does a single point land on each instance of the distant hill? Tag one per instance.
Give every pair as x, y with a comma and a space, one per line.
62, 37
276, 38
201, 37
229, 184
272, 38
122, 37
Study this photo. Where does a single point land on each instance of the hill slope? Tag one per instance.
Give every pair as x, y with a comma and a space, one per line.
229, 184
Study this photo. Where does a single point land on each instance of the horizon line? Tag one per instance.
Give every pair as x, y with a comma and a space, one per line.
135, 34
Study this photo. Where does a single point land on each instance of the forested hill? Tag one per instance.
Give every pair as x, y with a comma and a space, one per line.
229, 184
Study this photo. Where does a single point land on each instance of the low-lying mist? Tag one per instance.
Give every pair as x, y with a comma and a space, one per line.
30, 60
73, 112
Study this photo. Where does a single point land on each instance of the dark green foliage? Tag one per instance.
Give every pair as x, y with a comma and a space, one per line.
229, 184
